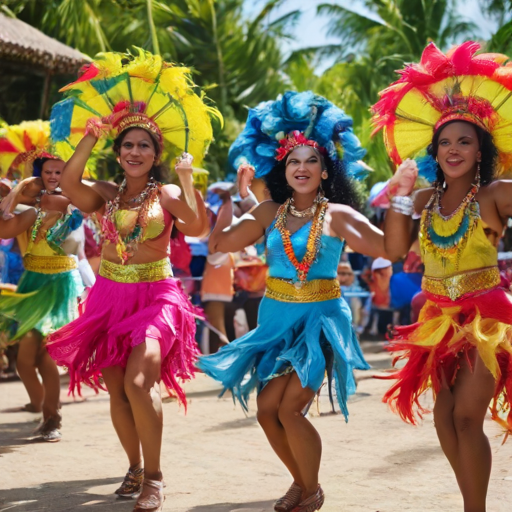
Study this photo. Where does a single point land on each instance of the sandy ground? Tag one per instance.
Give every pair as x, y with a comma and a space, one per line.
216, 459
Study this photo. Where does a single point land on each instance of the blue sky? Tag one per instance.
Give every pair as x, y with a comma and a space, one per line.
311, 29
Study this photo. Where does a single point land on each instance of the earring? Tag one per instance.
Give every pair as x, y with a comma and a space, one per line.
477, 175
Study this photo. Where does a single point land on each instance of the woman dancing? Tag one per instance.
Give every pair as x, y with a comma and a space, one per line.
47, 294
304, 326
137, 326
459, 105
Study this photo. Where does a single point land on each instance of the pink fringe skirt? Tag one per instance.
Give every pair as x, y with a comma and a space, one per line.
116, 317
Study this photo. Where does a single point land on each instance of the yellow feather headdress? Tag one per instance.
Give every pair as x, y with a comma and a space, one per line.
139, 90
21, 144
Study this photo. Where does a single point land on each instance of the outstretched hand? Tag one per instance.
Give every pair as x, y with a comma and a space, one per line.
184, 171
245, 176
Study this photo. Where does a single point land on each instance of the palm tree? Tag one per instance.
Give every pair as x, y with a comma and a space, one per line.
501, 12
393, 32
238, 61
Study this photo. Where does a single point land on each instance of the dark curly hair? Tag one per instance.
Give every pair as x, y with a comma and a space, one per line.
157, 171
487, 148
338, 187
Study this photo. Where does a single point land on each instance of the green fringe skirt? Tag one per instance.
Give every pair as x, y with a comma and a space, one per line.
44, 302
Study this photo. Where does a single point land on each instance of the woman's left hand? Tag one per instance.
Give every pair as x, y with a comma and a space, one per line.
184, 171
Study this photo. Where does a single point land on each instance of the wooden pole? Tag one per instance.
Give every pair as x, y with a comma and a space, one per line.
46, 94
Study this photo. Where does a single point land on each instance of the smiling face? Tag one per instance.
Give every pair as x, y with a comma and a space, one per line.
304, 170
51, 173
458, 150
137, 152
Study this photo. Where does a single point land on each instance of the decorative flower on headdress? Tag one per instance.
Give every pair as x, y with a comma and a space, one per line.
317, 121
293, 140
441, 88
140, 91
21, 144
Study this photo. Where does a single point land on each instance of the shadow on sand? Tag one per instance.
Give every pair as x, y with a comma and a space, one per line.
64, 497
255, 506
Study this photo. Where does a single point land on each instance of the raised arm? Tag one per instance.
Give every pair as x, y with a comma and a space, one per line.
82, 196
502, 194
359, 233
187, 221
17, 224
227, 237
398, 224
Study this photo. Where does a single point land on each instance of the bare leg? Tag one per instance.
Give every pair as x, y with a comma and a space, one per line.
304, 440
473, 391
269, 401
214, 311
26, 362
51, 382
443, 419
142, 373
121, 414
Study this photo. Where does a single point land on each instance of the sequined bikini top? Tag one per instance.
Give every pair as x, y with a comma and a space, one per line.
125, 221
456, 243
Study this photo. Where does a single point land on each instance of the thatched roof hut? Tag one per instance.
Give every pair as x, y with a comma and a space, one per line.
29, 56
22, 43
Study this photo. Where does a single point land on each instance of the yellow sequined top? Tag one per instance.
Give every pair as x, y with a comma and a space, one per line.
125, 221
469, 267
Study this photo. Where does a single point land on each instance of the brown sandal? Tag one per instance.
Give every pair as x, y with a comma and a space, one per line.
290, 500
313, 503
151, 497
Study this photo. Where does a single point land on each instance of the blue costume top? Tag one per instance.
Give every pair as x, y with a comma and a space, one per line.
309, 338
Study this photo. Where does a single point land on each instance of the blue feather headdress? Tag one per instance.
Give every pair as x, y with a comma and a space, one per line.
319, 119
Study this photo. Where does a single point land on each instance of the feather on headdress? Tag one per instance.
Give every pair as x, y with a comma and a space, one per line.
21, 144
272, 125
138, 90
441, 88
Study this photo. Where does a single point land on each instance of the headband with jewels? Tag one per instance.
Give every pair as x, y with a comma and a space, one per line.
21, 144
293, 140
318, 122
460, 85
136, 90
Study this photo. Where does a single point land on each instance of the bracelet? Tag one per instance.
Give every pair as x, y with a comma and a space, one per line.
94, 127
403, 205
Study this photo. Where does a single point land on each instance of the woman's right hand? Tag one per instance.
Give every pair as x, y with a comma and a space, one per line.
403, 181
97, 127
25, 192
245, 175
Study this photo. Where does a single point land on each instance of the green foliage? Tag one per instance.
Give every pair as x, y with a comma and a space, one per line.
238, 61
395, 32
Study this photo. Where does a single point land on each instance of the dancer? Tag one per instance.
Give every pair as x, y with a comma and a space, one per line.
137, 326
304, 326
46, 296
459, 106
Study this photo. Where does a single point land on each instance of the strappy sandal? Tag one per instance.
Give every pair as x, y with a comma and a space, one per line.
151, 497
132, 484
290, 500
49, 431
313, 503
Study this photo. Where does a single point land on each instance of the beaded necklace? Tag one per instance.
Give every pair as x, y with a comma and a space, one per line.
447, 236
127, 244
313, 243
